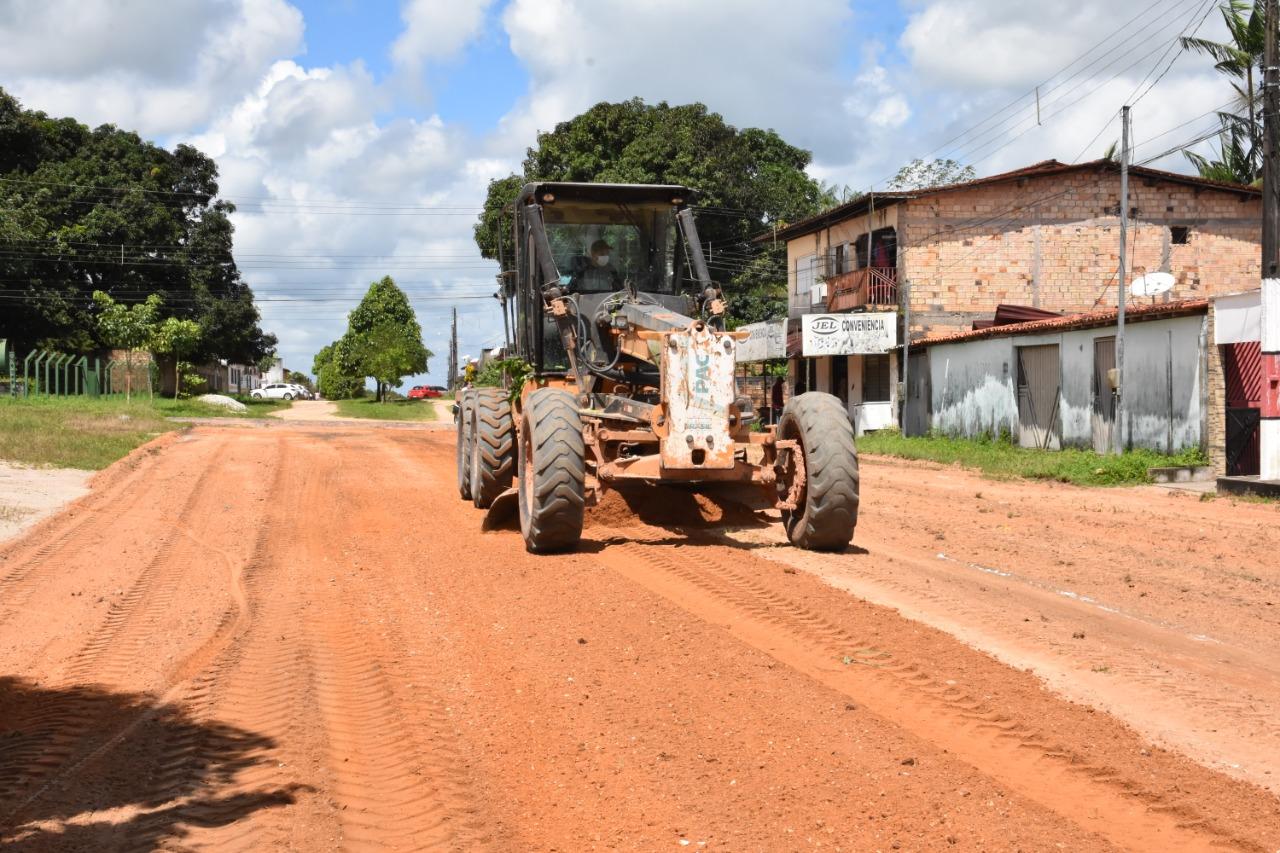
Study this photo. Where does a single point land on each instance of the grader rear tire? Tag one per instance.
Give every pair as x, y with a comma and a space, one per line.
493, 457
827, 511
552, 472
466, 403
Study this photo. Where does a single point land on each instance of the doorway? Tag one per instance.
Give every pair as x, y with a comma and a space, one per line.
840, 379
1039, 397
1104, 396
1242, 370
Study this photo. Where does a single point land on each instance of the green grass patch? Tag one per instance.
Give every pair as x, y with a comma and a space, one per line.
82, 432
392, 410
1001, 459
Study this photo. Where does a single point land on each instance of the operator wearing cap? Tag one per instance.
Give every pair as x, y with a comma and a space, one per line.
599, 276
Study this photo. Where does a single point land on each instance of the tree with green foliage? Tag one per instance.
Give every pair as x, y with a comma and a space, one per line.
921, 174
297, 377
128, 327
331, 381
383, 339
748, 181
1240, 58
177, 339
104, 210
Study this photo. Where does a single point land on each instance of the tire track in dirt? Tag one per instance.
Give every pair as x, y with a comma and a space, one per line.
116, 496
262, 681
113, 653
67, 744
63, 733
1007, 615
397, 776
990, 738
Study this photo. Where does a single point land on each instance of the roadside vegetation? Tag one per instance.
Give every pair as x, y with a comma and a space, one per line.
391, 410
87, 433
1002, 459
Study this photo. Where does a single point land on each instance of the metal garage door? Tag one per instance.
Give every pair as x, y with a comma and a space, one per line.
916, 413
1039, 392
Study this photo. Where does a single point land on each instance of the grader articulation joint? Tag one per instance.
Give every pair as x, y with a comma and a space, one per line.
634, 378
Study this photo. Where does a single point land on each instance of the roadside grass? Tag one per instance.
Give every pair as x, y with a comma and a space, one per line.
87, 433
393, 410
1001, 459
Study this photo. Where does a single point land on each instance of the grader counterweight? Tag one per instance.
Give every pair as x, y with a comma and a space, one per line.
633, 378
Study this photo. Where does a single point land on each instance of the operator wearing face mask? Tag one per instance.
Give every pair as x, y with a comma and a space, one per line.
600, 276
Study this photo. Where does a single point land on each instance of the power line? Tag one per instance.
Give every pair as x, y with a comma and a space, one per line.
1208, 7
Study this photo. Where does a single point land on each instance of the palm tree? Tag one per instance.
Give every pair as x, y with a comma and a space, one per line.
1235, 162
1240, 143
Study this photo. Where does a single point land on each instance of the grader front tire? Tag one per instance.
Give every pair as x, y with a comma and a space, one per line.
466, 403
492, 446
552, 472
827, 511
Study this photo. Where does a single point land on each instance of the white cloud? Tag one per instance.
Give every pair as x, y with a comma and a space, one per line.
157, 66
742, 58
332, 197
437, 30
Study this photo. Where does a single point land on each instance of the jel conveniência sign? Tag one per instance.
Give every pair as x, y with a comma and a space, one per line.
849, 334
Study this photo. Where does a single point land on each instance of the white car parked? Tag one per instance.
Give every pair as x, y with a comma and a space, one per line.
300, 392
275, 391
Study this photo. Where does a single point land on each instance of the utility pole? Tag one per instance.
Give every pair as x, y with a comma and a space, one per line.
1118, 425
1269, 425
453, 352
1271, 147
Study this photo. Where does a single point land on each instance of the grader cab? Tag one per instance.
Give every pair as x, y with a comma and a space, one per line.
633, 378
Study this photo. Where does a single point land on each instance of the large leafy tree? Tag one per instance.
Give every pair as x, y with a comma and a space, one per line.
383, 339
84, 210
748, 180
1240, 58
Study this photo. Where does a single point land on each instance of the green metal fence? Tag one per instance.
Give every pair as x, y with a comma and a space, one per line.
51, 373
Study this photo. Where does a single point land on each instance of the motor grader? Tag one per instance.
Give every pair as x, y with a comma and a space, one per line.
633, 378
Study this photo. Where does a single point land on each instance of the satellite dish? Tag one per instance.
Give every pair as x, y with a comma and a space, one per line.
1151, 284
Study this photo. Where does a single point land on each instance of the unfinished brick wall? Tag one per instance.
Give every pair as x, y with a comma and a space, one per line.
1053, 242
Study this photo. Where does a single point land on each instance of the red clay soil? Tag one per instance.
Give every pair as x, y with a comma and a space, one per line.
297, 638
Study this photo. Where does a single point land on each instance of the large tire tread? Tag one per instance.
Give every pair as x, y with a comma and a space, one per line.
830, 512
465, 403
552, 505
493, 457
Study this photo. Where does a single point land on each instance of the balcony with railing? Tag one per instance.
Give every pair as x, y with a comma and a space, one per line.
866, 286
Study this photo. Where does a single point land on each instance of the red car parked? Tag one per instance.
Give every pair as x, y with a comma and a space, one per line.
423, 392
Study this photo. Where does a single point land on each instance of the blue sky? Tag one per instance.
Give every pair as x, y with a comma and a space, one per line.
359, 137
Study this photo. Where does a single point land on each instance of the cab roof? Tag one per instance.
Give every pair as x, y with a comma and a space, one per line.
599, 192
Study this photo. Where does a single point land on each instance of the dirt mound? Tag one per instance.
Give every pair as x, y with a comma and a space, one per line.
673, 506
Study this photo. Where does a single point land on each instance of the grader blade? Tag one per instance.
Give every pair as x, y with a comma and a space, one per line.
502, 512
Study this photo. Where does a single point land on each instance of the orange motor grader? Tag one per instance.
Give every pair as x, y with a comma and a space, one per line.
632, 378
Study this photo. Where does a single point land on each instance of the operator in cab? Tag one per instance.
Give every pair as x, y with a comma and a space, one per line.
599, 275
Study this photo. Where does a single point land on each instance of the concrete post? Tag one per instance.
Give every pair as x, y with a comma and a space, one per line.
1269, 437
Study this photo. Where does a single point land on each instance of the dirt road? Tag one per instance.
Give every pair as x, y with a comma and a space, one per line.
296, 637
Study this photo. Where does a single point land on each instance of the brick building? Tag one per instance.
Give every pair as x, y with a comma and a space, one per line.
1046, 236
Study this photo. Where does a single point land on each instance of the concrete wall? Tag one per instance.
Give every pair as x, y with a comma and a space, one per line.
1053, 242
974, 384
973, 391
